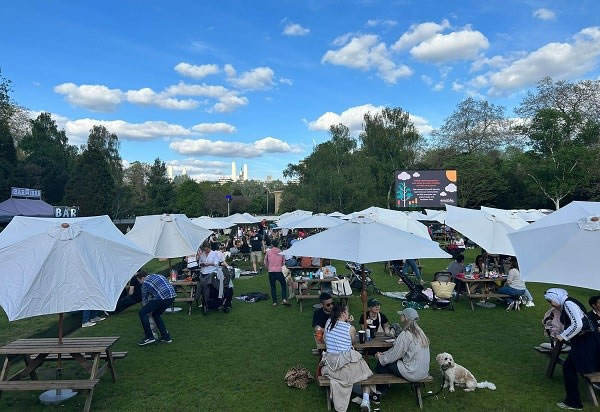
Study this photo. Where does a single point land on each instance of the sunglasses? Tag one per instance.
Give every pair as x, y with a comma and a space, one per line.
328, 304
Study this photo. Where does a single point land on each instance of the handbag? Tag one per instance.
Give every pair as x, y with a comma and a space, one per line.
341, 287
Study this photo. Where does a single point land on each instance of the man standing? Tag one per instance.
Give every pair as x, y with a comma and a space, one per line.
157, 296
256, 250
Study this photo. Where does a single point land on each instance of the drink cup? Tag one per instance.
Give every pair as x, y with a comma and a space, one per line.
373, 331
362, 336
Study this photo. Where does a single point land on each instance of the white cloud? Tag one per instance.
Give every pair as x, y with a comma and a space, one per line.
438, 87
459, 45
450, 188
354, 116
426, 79
260, 78
283, 80
229, 70
457, 86
416, 174
94, 97
125, 130
228, 99
231, 149
294, 29
557, 60
213, 128
125, 163
544, 14
404, 176
195, 71
366, 52
147, 96
419, 33
386, 23
479, 82
200, 170
229, 103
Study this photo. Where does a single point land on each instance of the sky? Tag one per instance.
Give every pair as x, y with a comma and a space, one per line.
203, 83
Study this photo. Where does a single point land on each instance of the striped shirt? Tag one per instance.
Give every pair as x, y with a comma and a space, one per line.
338, 339
156, 287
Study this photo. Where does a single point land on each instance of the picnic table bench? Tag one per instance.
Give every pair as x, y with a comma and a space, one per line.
481, 288
380, 379
35, 352
187, 290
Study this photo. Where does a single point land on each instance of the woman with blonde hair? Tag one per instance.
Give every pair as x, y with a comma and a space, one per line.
409, 357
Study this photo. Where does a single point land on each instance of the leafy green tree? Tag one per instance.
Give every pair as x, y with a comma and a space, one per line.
159, 189
8, 152
190, 198
135, 177
91, 186
6, 105
101, 140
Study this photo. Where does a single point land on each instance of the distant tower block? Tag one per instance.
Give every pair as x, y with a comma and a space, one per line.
245, 174
184, 171
233, 172
277, 194
170, 174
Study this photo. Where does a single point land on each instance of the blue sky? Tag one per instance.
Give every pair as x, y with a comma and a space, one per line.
201, 84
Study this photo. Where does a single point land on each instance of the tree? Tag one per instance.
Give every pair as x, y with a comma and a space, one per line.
45, 140
108, 144
190, 198
91, 186
6, 105
135, 177
159, 189
474, 126
8, 152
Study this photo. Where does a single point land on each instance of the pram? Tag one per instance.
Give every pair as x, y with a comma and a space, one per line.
215, 290
416, 294
356, 278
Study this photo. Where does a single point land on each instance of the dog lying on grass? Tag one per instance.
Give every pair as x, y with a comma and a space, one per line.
454, 374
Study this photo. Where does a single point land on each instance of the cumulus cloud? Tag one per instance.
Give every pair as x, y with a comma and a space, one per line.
438, 87
557, 60
419, 33
147, 96
260, 78
459, 45
231, 149
457, 87
385, 23
295, 29
366, 52
353, 119
195, 71
229, 103
206, 128
200, 170
450, 188
478, 82
228, 100
544, 14
426, 79
403, 176
283, 80
95, 97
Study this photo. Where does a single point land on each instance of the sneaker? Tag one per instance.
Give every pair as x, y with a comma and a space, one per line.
530, 304
365, 406
226, 309
357, 400
97, 319
286, 303
375, 398
87, 324
146, 341
563, 405
163, 340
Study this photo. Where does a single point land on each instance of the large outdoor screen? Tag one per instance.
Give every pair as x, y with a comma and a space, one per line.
425, 188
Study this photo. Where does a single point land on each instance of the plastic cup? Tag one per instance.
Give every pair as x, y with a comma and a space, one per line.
373, 331
362, 336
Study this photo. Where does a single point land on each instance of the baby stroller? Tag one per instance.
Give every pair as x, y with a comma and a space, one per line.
215, 290
415, 292
356, 278
443, 291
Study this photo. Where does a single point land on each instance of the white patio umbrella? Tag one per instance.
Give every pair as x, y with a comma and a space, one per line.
417, 216
562, 247
167, 236
240, 219
436, 216
336, 214
212, 223
50, 266
486, 230
397, 219
513, 220
531, 215
312, 222
363, 240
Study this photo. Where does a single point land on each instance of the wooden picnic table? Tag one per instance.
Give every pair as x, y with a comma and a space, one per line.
187, 290
379, 342
305, 285
482, 288
35, 351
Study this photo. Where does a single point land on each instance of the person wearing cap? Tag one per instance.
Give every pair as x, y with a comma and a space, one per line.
375, 317
409, 357
584, 356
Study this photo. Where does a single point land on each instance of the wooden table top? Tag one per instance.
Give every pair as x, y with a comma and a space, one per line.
501, 278
316, 280
183, 283
51, 345
378, 343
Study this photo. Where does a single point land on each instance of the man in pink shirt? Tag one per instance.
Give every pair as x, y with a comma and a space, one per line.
274, 262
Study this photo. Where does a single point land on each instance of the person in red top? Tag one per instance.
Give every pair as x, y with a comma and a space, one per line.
274, 262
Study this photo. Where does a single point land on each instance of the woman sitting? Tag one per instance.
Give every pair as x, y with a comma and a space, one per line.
479, 266
514, 286
245, 247
341, 363
409, 357
376, 318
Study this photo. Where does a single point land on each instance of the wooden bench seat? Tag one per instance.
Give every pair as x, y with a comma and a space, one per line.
380, 379
591, 379
32, 385
487, 295
116, 355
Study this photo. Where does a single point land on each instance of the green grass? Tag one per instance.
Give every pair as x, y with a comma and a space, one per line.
237, 362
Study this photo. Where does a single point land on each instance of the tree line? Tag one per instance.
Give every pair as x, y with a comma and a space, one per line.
545, 156
34, 153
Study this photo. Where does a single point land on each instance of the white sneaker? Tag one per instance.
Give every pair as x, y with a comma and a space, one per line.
530, 304
357, 400
365, 406
97, 319
87, 324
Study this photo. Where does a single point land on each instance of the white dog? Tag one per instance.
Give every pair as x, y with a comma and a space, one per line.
456, 374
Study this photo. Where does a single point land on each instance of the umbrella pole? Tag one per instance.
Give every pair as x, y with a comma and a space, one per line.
61, 318
363, 296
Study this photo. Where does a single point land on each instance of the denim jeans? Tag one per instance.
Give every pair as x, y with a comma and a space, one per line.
86, 315
413, 265
156, 308
512, 292
277, 277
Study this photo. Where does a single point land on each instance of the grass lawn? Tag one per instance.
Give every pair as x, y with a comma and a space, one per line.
237, 362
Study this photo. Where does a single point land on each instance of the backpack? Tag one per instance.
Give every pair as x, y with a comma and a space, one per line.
306, 262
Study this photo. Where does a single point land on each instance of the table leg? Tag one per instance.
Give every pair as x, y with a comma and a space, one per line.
88, 398
469, 296
111, 364
29, 368
4, 369
554, 358
27, 360
81, 360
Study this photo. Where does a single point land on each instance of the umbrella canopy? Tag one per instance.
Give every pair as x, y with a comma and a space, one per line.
436, 216
62, 265
486, 230
562, 247
336, 214
363, 240
395, 219
24, 207
529, 215
167, 236
513, 220
242, 219
213, 223
312, 222
417, 216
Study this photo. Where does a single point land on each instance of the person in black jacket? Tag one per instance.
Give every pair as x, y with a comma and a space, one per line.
583, 337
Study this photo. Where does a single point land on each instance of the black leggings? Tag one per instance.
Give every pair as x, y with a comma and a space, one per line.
274, 277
